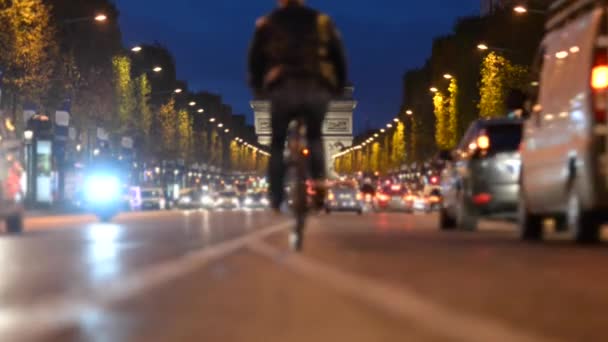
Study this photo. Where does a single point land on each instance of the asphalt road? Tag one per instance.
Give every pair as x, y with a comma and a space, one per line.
229, 276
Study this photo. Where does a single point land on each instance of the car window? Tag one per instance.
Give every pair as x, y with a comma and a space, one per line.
504, 138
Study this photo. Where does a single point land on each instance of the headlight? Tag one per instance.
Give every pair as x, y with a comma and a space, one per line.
185, 200
248, 201
264, 201
102, 188
207, 200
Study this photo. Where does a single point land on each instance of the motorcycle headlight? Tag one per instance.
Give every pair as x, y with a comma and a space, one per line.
102, 188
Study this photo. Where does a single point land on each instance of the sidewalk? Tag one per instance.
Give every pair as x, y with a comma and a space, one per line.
54, 210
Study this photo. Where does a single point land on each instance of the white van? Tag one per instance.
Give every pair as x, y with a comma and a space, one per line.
564, 150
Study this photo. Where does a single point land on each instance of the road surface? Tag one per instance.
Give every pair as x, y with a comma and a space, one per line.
229, 276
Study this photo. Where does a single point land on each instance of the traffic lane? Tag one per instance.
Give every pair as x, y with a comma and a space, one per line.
75, 260
554, 289
244, 297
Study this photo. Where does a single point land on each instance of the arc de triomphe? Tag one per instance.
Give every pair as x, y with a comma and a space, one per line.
337, 128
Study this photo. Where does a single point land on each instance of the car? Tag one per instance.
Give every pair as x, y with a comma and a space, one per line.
227, 200
428, 202
394, 197
344, 196
481, 177
256, 200
565, 147
189, 198
152, 199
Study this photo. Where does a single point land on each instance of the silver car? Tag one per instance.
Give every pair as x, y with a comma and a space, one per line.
481, 178
344, 196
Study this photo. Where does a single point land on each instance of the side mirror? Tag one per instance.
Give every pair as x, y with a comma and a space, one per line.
445, 155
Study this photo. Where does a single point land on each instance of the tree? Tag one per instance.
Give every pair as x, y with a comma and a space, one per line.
442, 137
374, 162
398, 153
144, 119
184, 134
385, 153
498, 76
167, 118
453, 117
124, 94
28, 52
235, 152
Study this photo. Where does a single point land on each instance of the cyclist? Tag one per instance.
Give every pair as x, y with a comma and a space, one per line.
296, 60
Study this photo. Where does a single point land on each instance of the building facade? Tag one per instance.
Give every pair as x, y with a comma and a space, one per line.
337, 128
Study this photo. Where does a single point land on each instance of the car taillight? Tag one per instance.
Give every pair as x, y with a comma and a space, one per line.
434, 199
408, 198
331, 196
383, 197
359, 196
483, 142
482, 199
599, 84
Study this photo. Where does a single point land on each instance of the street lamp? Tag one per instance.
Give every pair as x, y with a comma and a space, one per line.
220, 125
226, 130
482, 47
409, 112
382, 130
396, 120
376, 135
520, 9
157, 69
101, 17
448, 76
201, 110
178, 90
389, 125
136, 48
192, 104
212, 120
434, 90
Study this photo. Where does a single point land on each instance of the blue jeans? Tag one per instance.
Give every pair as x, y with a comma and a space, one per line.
293, 99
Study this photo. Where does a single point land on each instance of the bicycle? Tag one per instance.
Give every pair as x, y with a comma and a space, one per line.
297, 164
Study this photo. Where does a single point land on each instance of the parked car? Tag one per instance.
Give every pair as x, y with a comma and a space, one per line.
394, 197
565, 146
481, 178
344, 196
152, 199
228, 200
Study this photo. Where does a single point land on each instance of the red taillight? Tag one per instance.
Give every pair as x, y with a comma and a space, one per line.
482, 199
599, 84
383, 197
306, 152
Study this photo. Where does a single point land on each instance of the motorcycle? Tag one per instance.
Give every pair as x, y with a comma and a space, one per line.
103, 195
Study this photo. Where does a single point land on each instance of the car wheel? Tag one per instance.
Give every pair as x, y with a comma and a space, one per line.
584, 226
445, 221
530, 225
14, 224
466, 219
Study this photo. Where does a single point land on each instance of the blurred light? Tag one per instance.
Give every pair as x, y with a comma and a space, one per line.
396, 120
382, 130
192, 104
28, 135
434, 90
178, 90
96, 152
157, 69
226, 130
376, 135
389, 125
220, 125
448, 76
101, 17
201, 110
575, 49
78, 147
520, 9
599, 77
212, 120
561, 54
409, 112
482, 47
136, 48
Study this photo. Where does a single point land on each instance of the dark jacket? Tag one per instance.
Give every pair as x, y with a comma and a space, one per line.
296, 42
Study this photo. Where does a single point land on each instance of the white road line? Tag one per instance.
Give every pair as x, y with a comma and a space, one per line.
59, 312
398, 301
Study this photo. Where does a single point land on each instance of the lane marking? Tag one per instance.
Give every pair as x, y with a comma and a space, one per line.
397, 301
59, 312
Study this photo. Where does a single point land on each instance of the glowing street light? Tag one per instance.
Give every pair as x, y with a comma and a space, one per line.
396, 120
448, 76
212, 120
201, 110
157, 69
389, 125
520, 9
226, 130
136, 48
382, 130
178, 90
376, 135
482, 47
220, 125
101, 17
192, 104
434, 90
409, 112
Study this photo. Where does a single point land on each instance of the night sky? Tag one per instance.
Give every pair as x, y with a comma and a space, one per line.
209, 40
